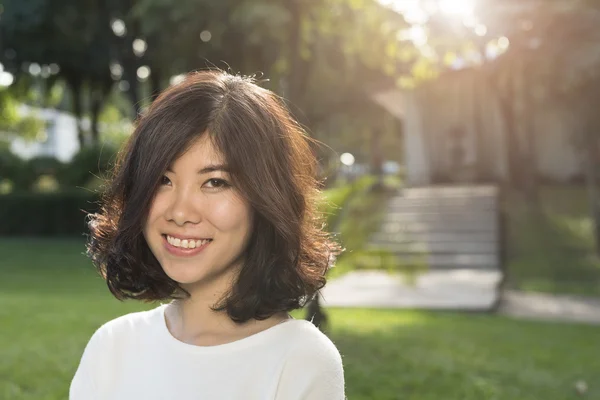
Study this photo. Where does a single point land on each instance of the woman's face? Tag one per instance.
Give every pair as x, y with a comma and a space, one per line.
198, 225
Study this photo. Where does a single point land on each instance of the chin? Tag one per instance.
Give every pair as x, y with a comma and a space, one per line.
191, 278
184, 275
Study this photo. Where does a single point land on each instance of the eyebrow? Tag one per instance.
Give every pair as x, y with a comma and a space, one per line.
208, 168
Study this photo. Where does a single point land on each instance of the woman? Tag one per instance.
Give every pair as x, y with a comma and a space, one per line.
212, 207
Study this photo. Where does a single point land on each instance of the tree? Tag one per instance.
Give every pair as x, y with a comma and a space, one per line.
73, 36
573, 51
555, 50
12, 123
321, 56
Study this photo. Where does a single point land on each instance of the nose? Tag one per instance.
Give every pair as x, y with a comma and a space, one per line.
184, 208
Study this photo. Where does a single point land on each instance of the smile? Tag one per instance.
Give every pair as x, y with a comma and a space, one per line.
186, 243
184, 247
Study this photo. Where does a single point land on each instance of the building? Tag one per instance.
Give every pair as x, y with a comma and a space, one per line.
59, 140
455, 131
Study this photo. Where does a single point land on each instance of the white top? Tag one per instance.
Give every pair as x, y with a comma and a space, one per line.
136, 357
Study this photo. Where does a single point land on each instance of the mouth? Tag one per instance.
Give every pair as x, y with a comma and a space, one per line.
184, 247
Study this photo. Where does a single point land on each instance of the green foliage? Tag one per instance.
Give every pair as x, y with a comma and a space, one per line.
321, 55
116, 127
88, 168
75, 36
334, 200
45, 165
87, 163
28, 127
19, 172
363, 216
355, 211
9, 163
45, 169
553, 250
38, 197
9, 116
45, 214
46, 184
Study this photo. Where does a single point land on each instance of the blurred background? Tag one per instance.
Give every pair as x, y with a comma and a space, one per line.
460, 158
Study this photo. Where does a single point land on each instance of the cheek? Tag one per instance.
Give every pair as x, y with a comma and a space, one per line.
155, 210
232, 214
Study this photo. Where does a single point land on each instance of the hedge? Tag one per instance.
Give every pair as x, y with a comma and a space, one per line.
46, 214
87, 163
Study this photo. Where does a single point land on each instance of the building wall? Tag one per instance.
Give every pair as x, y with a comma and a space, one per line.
557, 155
455, 131
61, 136
416, 157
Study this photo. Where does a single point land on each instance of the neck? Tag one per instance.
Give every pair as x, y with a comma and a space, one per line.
194, 316
193, 321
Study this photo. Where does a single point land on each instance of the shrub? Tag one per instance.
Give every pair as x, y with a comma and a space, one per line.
19, 172
89, 162
45, 165
46, 184
46, 214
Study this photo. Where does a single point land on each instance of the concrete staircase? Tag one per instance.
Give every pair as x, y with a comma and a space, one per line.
455, 232
450, 227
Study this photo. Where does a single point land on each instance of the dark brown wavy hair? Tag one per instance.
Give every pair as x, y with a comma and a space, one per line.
271, 164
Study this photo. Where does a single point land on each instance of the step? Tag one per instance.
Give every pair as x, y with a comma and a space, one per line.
450, 261
455, 247
434, 237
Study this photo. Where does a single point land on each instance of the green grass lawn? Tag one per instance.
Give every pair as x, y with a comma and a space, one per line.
551, 246
52, 301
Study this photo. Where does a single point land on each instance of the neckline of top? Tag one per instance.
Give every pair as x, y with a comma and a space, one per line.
252, 340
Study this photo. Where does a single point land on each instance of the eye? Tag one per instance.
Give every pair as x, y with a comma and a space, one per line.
165, 181
216, 183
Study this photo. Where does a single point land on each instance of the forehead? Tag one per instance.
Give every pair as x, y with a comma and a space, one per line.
201, 152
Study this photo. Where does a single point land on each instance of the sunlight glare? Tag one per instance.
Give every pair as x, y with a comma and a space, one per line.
461, 8
143, 73
6, 78
481, 30
503, 43
418, 35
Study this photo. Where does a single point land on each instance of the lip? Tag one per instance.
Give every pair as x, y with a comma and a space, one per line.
181, 252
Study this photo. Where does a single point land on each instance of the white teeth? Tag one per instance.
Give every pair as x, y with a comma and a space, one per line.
186, 243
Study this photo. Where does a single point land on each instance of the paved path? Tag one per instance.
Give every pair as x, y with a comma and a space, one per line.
454, 290
457, 289
551, 307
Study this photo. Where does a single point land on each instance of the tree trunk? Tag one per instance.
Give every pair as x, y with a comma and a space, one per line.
95, 107
299, 66
506, 98
591, 178
316, 315
155, 78
76, 85
295, 48
528, 118
131, 62
377, 155
510, 132
485, 172
98, 97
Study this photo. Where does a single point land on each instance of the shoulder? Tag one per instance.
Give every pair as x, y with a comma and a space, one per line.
124, 327
313, 367
106, 349
312, 345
